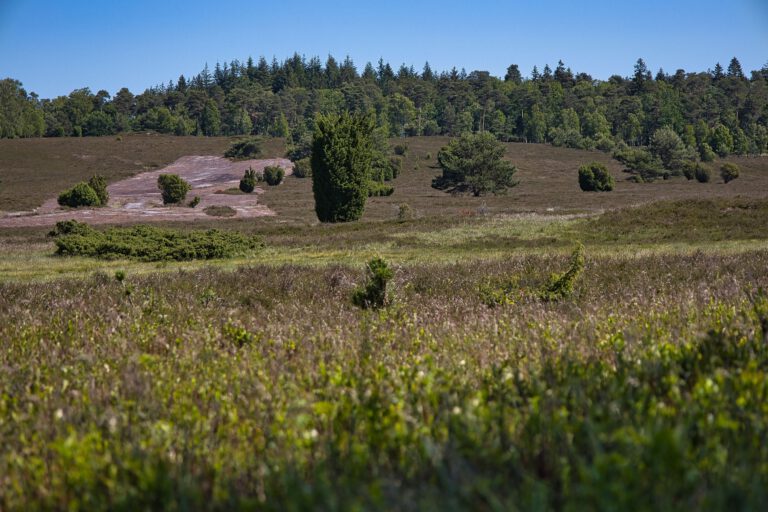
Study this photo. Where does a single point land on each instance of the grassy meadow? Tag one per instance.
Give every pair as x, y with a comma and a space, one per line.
254, 383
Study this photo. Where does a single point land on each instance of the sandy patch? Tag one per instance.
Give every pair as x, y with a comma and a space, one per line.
137, 199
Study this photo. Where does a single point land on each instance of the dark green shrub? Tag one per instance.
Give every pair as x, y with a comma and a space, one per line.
561, 286
377, 189
147, 243
594, 177
69, 227
302, 168
373, 293
194, 202
702, 174
248, 183
689, 169
80, 195
173, 188
729, 172
342, 151
400, 149
99, 185
273, 175
244, 149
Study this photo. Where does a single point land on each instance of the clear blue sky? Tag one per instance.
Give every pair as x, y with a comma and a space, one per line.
54, 47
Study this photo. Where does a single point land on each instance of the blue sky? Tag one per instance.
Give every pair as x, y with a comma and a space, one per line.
54, 47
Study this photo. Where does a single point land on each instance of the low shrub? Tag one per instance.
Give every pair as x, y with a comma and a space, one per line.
405, 212
500, 291
689, 169
400, 149
81, 194
244, 149
173, 188
273, 175
302, 168
248, 183
373, 293
194, 202
561, 286
729, 172
376, 189
220, 211
594, 177
148, 243
702, 174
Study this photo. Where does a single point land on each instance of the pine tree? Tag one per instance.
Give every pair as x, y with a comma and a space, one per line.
734, 69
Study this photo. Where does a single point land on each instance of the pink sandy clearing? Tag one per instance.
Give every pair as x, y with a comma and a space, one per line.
137, 199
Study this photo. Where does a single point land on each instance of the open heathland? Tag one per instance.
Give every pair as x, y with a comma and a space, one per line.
544, 349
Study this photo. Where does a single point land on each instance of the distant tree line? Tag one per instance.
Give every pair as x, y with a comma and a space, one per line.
722, 108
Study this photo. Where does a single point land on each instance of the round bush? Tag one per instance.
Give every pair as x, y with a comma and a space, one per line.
302, 168
80, 195
173, 188
273, 175
702, 174
729, 172
248, 183
594, 177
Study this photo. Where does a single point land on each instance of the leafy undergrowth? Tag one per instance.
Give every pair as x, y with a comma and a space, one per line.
267, 389
149, 243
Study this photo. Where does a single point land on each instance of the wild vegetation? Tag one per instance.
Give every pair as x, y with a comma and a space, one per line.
443, 352
342, 152
265, 389
148, 243
173, 188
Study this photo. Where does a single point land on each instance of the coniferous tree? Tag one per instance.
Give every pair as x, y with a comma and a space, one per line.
342, 152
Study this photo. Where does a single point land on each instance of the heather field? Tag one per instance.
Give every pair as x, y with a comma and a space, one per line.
254, 382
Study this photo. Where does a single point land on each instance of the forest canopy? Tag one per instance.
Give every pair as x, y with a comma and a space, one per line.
721, 109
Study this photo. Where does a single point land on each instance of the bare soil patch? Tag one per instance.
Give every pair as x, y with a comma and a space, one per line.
137, 199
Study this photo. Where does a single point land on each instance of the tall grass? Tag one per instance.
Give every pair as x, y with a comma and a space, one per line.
265, 388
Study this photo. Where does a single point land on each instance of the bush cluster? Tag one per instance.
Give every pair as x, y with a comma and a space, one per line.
90, 193
148, 243
173, 188
595, 177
